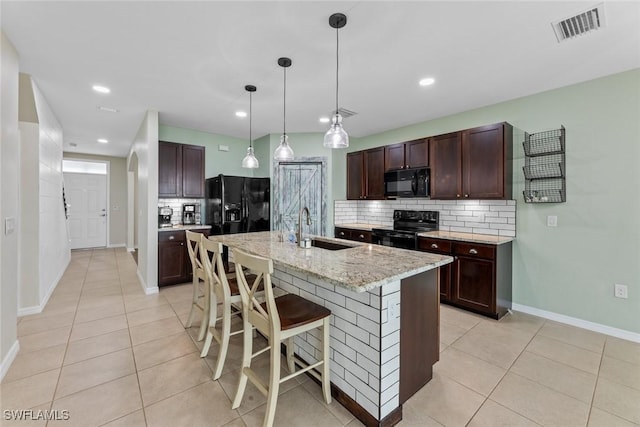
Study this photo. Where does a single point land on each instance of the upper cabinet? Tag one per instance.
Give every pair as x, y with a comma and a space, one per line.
412, 154
472, 164
180, 170
365, 174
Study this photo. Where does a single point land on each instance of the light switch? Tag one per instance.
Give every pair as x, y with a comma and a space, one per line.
9, 225
223, 148
552, 221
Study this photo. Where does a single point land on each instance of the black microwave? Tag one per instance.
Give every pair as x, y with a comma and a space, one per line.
407, 183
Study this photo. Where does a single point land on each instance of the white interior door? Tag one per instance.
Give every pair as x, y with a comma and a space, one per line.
87, 209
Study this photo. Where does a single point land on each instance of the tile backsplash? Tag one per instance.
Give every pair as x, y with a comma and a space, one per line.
176, 205
495, 217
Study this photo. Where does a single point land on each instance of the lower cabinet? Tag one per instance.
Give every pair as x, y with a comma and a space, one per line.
174, 265
479, 279
352, 234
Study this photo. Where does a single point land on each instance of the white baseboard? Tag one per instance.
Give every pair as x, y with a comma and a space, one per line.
130, 249
119, 245
35, 309
147, 291
580, 323
6, 362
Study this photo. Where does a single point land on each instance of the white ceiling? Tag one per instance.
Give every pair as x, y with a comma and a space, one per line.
191, 60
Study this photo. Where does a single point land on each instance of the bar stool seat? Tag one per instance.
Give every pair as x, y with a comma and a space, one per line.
279, 320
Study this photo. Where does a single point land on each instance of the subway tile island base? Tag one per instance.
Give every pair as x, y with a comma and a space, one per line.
384, 321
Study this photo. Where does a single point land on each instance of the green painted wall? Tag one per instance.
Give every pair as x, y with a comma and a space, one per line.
571, 269
217, 162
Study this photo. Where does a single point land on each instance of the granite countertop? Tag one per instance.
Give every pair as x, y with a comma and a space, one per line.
468, 237
359, 226
178, 227
359, 268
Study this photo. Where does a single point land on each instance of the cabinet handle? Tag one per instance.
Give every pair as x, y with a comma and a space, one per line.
342, 233
434, 246
457, 195
172, 237
407, 166
466, 195
473, 251
181, 244
361, 236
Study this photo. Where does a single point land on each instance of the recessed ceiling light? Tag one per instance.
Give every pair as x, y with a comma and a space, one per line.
241, 114
427, 81
324, 119
103, 141
101, 89
108, 109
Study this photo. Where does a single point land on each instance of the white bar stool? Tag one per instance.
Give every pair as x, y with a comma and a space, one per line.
200, 299
279, 319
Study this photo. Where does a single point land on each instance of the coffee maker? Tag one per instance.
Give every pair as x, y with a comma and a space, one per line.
191, 214
164, 216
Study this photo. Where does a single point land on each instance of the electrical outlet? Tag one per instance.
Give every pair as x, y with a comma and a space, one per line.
620, 291
552, 221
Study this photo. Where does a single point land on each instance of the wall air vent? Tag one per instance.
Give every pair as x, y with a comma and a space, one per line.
343, 112
582, 23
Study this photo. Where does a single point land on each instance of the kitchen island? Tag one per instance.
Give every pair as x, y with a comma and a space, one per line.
385, 315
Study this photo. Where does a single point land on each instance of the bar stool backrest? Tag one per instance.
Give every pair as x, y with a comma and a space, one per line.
266, 321
193, 246
211, 255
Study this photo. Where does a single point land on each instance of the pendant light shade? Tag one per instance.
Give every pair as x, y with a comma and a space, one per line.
336, 137
283, 151
250, 161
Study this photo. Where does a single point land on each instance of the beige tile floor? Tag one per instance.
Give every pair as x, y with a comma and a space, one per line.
112, 356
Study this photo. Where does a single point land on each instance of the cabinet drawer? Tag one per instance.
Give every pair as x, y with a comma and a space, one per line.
475, 250
434, 245
342, 233
361, 236
171, 236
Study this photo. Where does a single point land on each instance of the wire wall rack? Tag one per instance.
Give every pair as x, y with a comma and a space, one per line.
545, 167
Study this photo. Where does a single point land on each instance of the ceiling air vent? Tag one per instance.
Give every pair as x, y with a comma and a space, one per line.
343, 112
582, 23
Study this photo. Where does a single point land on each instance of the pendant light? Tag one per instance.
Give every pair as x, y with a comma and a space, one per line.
283, 151
336, 137
250, 160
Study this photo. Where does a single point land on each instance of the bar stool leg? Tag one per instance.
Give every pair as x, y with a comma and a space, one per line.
224, 338
326, 384
246, 360
213, 315
194, 302
274, 383
204, 323
290, 363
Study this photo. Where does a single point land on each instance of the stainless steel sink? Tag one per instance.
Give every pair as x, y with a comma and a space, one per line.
331, 246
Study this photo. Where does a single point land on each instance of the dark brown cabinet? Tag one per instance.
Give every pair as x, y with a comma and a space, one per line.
352, 234
365, 174
180, 170
174, 264
472, 164
441, 247
411, 154
479, 279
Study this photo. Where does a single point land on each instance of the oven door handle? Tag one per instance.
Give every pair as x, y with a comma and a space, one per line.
414, 184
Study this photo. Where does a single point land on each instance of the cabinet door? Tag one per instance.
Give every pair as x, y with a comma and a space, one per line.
342, 233
192, 171
171, 263
442, 247
417, 153
169, 169
483, 162
355, 173
446, 164
374, 173
394, 157
474, 284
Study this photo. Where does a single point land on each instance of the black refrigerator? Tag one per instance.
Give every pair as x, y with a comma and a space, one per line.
237, 204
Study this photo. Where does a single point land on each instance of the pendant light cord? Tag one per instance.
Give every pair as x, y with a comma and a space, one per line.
250, 117
337, 67
284, 104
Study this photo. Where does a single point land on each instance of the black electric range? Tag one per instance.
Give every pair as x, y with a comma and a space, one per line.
406, 226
